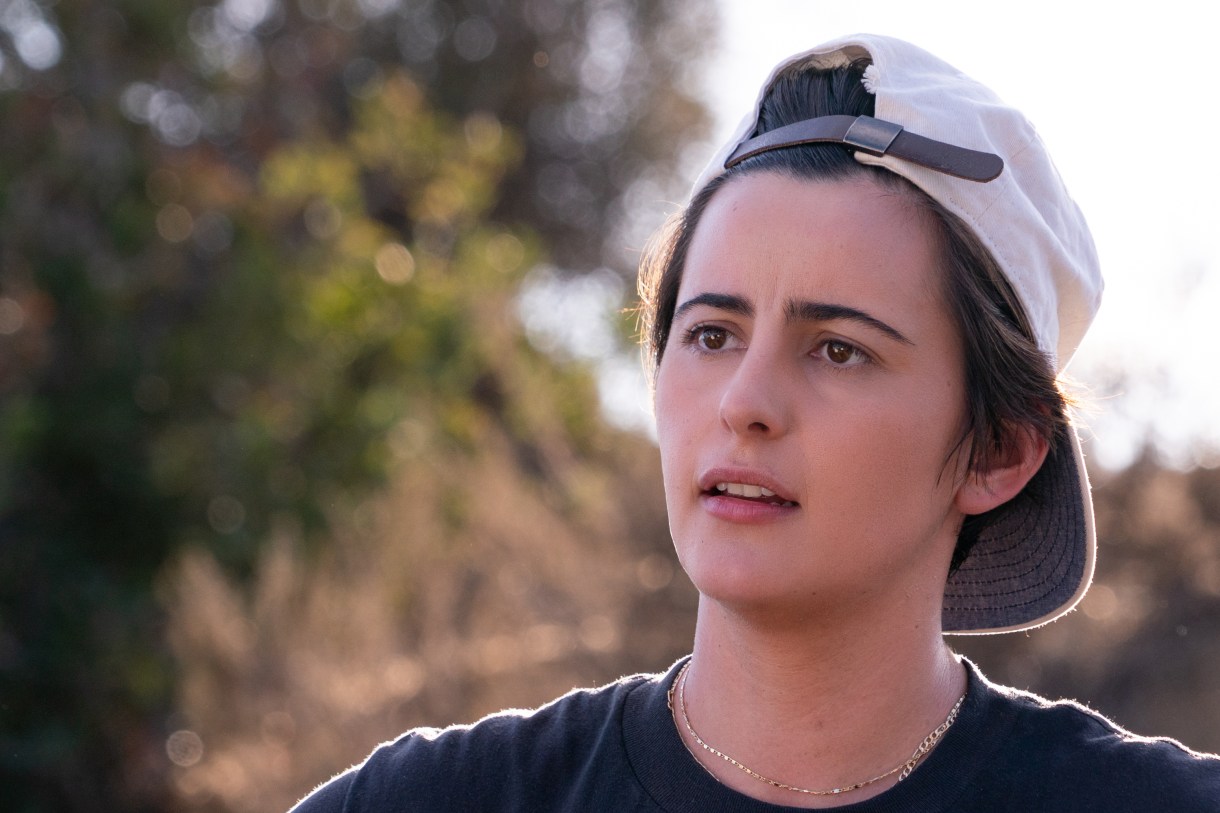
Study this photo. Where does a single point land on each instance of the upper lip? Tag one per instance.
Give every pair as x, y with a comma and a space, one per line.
746, 476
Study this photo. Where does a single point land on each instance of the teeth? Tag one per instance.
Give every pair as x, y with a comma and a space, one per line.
744, 490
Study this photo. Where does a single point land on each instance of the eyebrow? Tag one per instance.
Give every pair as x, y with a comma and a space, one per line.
805, 311
721, 302
796, 311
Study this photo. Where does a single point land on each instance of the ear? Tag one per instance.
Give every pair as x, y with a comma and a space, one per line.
984, 490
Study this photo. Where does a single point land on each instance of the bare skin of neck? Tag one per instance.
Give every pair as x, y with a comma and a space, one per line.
817, 704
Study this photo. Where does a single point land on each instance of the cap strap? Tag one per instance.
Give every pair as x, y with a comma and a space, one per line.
876, 137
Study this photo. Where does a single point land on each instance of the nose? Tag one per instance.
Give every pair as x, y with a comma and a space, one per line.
752, 403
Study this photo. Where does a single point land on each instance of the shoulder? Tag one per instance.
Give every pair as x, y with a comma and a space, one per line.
549, 732
500, 757
1075, 753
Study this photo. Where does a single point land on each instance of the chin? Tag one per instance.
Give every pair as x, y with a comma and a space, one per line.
761, 593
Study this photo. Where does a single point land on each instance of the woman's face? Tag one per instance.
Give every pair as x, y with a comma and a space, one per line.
810, 399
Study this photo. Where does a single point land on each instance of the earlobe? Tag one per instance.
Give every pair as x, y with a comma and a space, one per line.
984, 490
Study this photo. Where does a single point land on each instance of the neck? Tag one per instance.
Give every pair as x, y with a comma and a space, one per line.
803, 703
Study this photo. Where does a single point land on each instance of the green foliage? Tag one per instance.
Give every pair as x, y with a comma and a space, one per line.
327, 327
251, 271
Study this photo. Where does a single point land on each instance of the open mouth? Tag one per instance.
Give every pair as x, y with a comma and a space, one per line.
752, 493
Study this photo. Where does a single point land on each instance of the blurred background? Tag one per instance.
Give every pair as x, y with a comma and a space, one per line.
319, 412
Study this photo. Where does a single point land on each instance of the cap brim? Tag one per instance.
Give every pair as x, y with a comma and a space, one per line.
1034, 560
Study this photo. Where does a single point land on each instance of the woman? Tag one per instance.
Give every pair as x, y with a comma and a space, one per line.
855, 328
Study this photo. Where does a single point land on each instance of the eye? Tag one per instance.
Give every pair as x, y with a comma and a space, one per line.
842, 354
708, 337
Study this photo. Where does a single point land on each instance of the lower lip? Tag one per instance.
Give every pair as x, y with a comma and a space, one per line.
734, 509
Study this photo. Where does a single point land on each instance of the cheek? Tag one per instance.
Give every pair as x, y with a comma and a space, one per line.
679, 396
685, 413
909, 447
672, 415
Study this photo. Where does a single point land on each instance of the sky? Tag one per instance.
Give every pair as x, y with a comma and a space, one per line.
1120, 98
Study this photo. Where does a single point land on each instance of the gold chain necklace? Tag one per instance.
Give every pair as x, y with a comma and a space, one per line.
903, 770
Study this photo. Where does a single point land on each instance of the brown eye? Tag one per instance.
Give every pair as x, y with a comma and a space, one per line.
712, 338
841, 352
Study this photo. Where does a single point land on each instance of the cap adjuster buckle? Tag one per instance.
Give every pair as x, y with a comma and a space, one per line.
871, 135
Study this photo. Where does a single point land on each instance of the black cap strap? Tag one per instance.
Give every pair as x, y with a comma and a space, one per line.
876, 137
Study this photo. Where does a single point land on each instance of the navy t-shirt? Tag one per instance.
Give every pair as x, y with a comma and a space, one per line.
616, 749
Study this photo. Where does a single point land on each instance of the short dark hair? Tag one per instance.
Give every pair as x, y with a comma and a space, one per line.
1010, 384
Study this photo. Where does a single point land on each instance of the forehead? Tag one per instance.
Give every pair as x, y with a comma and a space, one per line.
774, 238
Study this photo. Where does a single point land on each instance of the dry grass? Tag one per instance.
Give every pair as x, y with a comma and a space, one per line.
476, 587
